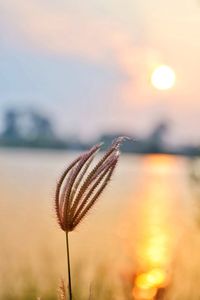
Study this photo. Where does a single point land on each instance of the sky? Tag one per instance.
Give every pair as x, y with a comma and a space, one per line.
88, 64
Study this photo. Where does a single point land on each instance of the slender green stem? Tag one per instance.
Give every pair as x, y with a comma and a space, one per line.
68, 267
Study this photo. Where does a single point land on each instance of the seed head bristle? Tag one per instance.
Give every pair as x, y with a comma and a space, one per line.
95, 183
93, 200
94, 173
64, 185
77, 191
58, 189
70, 184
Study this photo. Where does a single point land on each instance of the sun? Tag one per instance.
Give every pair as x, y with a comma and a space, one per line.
163, 77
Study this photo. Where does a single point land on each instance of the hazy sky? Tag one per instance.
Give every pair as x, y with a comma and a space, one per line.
88, 63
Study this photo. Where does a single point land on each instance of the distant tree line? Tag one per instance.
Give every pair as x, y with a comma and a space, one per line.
35, 130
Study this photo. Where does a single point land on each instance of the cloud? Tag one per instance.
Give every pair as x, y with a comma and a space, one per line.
128, 37
62, 32
68, 30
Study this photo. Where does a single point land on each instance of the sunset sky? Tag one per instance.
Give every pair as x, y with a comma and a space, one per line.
88, 63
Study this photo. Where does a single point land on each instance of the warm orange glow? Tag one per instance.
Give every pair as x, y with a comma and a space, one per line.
146, 284
153, 278
144, 294
154, 248
154, 236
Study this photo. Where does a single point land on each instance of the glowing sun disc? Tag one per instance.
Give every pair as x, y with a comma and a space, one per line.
163, 78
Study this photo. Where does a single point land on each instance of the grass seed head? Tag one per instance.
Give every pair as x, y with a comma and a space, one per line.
80, 186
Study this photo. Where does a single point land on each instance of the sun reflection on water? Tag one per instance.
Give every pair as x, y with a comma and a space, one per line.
154, 234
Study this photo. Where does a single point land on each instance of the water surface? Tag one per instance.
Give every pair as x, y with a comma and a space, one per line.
144, 222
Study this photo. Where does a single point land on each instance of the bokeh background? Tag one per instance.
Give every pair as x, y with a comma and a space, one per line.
73, 73
69, 60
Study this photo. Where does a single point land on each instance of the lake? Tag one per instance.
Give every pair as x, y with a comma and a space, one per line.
146, 222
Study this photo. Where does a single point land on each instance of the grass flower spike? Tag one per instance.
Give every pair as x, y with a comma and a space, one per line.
80, 186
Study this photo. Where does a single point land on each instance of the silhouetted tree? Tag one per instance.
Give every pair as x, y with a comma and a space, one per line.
42, 127
11, 130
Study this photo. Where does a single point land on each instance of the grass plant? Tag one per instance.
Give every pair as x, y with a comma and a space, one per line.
78, 190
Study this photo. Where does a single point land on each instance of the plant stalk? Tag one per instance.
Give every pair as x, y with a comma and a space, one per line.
68, 267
